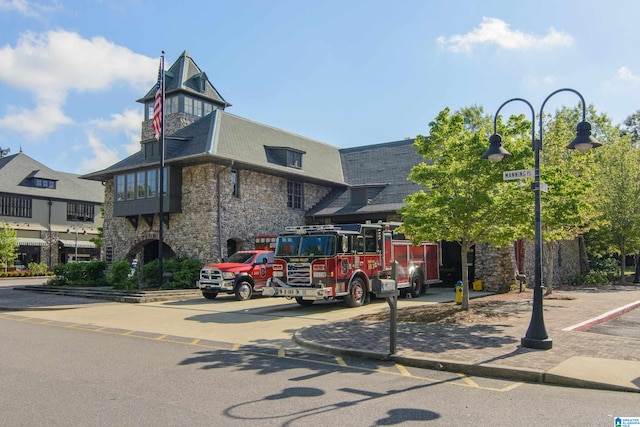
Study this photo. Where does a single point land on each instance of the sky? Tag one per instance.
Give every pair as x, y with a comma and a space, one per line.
344, 72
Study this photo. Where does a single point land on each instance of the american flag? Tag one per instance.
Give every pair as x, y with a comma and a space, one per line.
157, 107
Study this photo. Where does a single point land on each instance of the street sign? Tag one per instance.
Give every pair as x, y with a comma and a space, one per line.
519, 174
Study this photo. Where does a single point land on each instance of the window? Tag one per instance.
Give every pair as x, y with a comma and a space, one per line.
294, 195
188, 105
131, 186
170, 105
141, 185
44, 183
15, 206
152, 183
119, 187
294, 159
370, 240
80, 212
165, 180
234, 183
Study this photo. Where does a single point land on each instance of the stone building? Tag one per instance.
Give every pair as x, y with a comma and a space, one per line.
229, 180
55, 214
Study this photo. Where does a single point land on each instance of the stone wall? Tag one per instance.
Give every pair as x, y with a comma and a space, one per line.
497, 267
172, 123
261, 208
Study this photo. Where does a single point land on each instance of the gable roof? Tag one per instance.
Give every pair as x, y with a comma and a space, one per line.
380, 173
186, 77
224, 138
18, 170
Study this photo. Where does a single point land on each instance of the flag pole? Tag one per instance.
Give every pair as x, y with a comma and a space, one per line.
161, 91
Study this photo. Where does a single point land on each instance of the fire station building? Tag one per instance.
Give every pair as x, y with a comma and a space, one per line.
229, 180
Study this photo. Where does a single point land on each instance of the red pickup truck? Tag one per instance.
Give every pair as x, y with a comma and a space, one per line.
242, 274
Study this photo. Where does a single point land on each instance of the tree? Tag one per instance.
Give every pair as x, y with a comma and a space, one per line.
465, 198
568, 208
618, 189
8, 245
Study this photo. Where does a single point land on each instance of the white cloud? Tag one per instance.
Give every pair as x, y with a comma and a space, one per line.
25, 7
623, 73
494, 31
35, 123
127, 123
54, 64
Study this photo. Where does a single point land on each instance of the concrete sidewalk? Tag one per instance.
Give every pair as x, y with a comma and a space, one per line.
578, 358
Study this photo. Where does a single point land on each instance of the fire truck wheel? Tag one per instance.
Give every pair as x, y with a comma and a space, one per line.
416, 285
244, 290
358, 295
304, 302
209, 295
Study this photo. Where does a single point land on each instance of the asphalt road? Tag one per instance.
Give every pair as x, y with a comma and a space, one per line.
58, 374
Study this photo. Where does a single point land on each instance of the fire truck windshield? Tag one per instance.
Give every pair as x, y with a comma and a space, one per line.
322, 245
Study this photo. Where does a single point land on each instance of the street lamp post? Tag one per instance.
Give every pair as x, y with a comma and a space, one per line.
75, 227
536, 336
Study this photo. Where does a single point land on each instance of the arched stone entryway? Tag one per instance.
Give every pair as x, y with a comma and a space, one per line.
233, 246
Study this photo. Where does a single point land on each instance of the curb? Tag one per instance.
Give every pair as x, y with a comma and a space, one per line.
480, 370
583, 326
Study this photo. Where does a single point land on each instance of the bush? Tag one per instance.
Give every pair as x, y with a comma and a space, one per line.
118, 276
80, 274
37, 268
603, 271
184, 273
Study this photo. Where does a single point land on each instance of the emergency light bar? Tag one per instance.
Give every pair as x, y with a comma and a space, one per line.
302, 229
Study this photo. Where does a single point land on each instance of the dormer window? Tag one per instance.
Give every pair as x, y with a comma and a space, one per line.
294, 159
44, 183
285, 156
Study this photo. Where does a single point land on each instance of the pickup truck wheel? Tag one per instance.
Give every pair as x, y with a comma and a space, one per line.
209, 294
358, 295
244, 290
304, 302
416, 286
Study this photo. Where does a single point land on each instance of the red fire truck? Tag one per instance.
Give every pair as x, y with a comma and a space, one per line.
350, 262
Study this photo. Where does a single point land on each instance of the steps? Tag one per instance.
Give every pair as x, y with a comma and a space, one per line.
117, 295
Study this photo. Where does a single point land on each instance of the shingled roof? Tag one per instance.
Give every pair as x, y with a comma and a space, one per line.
222, 137
379, 172
17, 173
185, 76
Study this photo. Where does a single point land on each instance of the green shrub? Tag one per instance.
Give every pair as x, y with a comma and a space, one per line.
118, 276
80, 274
603, 271
184, 272
37, 268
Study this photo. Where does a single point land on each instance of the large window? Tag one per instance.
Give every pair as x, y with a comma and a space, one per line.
131, 186
15, 206
152, 183
119, 187
140, 185
294, 195
80, 212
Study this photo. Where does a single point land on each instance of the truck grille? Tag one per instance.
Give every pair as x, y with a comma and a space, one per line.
299, 274
210, 274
